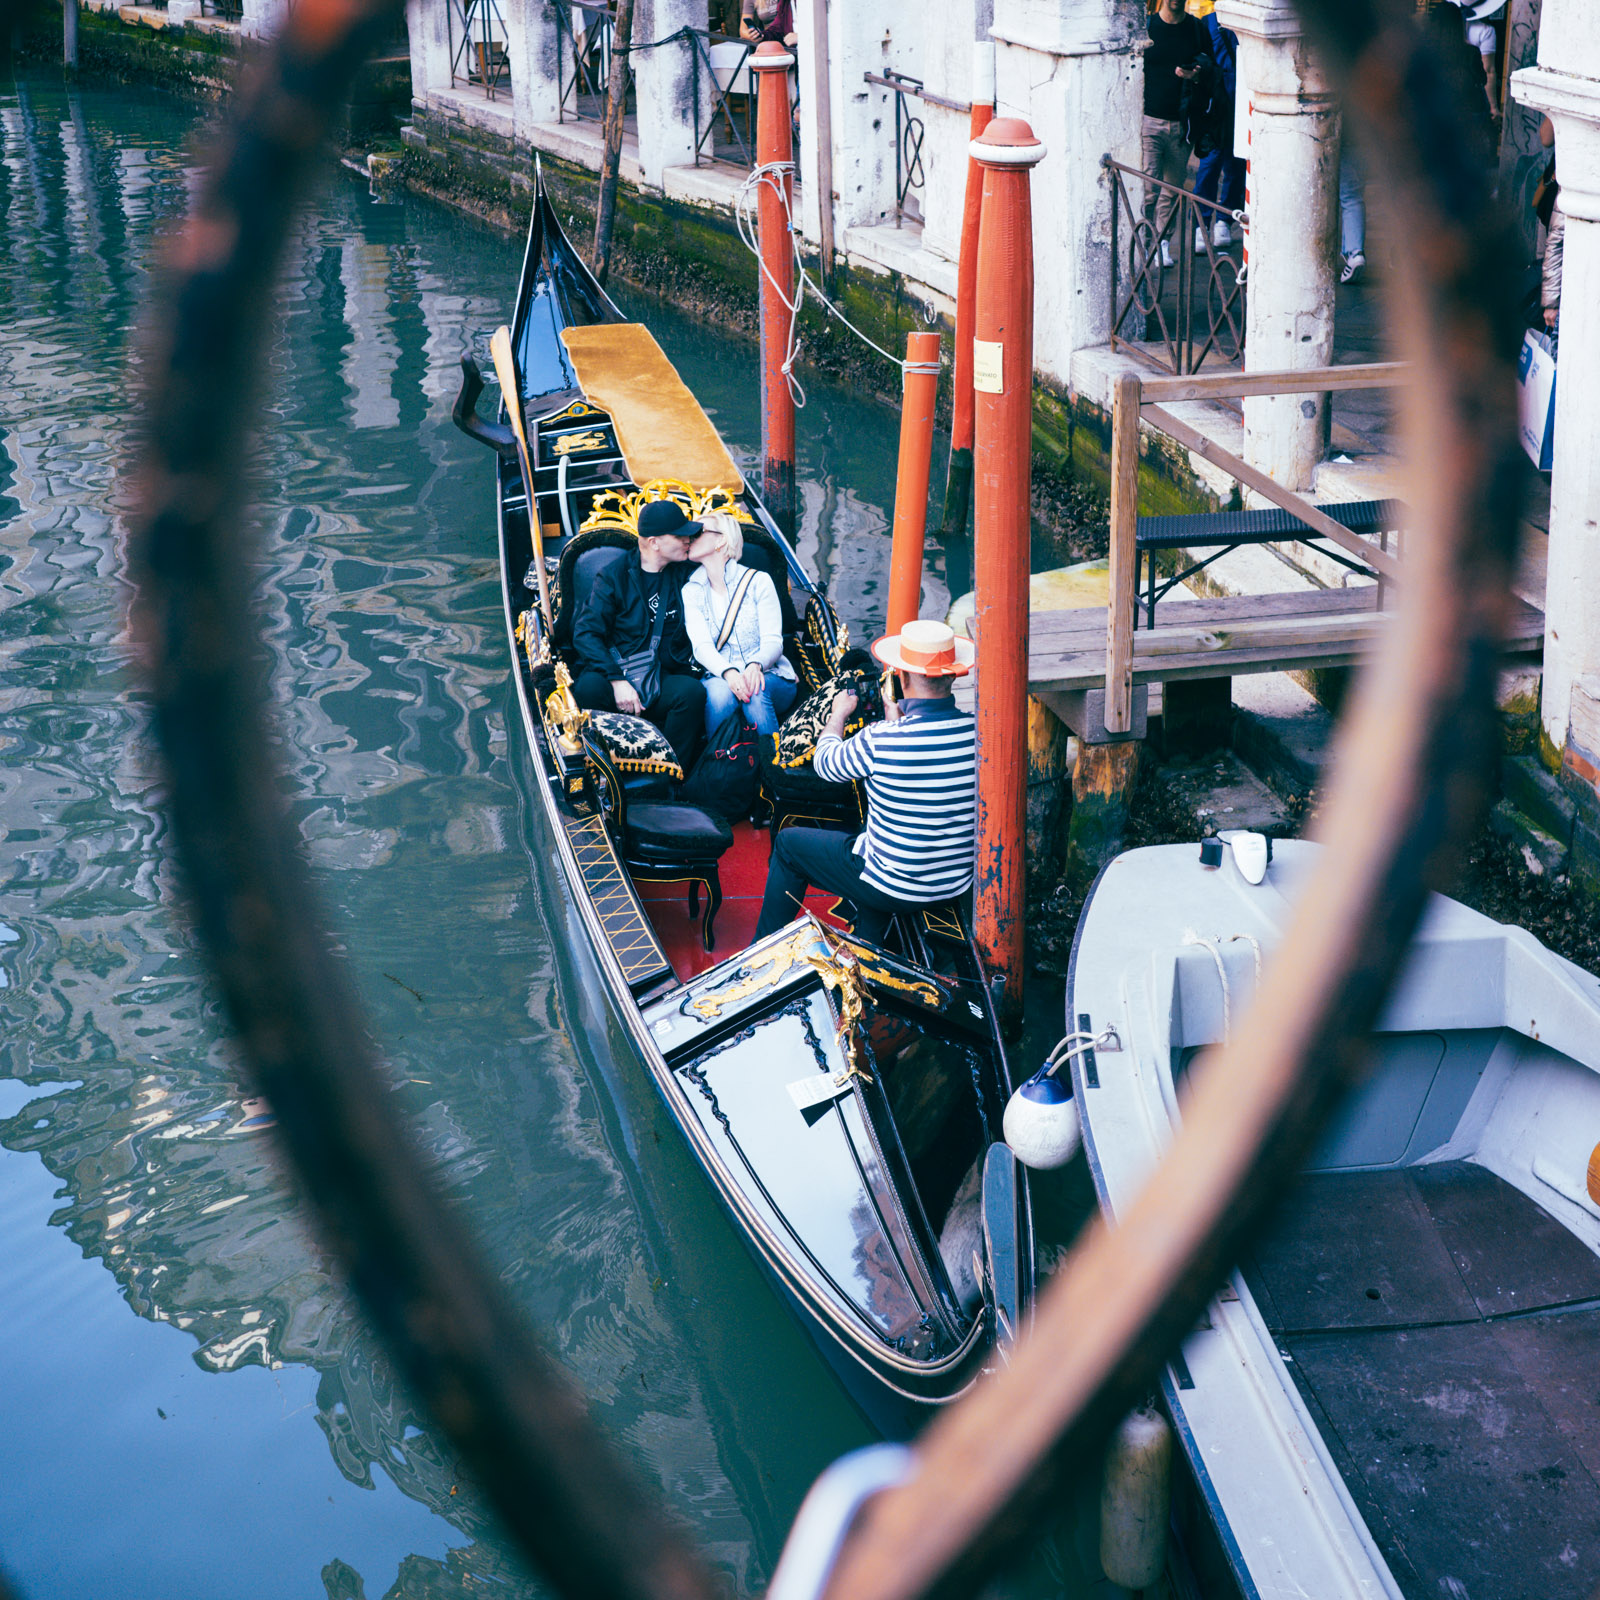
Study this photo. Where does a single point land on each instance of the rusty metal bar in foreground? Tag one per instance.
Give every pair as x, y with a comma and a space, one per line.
1409, 786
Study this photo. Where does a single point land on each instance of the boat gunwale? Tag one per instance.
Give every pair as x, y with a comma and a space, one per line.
785, 1258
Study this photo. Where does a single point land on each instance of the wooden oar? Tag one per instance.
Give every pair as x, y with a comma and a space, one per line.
505, 369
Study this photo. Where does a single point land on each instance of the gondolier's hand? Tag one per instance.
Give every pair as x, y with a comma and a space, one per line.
844, 703
627, 697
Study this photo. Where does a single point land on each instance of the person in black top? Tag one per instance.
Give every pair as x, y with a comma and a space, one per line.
1179, 55
618, 619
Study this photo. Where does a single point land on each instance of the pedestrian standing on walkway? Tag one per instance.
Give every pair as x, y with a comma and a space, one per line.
1179, 55
1220, 173
1352, 210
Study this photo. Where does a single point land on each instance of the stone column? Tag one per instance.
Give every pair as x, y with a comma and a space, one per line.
1072, 69
1565, 86
260, 19
864, 36
1294, 215
532, 41
428, 28
666, 85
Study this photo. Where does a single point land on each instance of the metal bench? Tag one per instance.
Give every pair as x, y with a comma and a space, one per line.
1222, 531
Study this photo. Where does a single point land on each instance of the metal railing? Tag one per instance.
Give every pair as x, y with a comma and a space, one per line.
909, 130
1186, 301
479, 58
223, 10
739, 82
590, 59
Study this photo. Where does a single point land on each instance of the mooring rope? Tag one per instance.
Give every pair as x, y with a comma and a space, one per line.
1215, 947
772, 174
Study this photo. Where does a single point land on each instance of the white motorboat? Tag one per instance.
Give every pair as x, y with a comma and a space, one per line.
1398, 1394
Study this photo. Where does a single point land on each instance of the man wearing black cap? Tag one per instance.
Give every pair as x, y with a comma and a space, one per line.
632, 602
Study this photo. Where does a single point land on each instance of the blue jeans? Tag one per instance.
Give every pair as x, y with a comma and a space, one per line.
1220, 177
1352, 206
760, 711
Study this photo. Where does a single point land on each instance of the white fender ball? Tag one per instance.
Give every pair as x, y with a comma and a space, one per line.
1041, 1124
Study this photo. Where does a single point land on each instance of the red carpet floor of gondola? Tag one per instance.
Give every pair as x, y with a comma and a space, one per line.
743, 871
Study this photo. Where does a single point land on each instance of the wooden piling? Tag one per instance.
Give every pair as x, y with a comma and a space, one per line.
775, 152
1124, 575
958, 478
611, 128
919, 396
1002, 446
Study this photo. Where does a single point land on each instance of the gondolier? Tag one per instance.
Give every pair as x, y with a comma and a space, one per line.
919, 765
633, 650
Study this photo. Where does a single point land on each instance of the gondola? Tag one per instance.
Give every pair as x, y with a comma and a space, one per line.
1393, 1398
845, 1100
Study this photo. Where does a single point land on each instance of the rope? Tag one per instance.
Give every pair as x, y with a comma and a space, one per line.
772, 173
1215, 947
1074, 1044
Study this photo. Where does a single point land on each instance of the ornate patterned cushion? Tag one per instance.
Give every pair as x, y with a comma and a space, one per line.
796, 739
634, 744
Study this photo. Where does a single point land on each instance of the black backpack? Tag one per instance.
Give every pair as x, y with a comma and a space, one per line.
726, 780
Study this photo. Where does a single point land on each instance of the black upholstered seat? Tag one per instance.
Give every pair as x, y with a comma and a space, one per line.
676, 832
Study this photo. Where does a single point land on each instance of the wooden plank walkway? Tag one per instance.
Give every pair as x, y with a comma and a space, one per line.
1230, 636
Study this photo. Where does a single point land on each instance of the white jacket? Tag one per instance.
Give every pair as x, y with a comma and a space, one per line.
757, 635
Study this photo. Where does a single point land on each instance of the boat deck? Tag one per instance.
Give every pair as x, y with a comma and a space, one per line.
1445, 1333
743, 871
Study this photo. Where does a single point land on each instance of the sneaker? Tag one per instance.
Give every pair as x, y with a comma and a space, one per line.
1166, 253
1221, 234
1199, 241
1352, 265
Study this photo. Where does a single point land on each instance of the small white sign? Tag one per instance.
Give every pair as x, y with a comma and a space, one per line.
818, 1089
988, 366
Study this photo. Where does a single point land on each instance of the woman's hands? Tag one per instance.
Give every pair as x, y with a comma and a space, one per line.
746, 683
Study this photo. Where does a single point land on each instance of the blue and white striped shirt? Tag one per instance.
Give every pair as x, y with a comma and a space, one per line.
921, 775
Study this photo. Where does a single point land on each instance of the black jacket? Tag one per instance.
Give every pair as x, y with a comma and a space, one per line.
615, 620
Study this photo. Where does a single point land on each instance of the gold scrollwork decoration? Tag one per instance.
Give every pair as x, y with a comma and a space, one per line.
565, 444
562, 714
918, 988
535, 643
618, 508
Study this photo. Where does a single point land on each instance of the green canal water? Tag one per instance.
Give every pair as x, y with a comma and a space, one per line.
192, 1404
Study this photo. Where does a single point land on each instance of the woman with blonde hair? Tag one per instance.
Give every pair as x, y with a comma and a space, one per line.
736, 630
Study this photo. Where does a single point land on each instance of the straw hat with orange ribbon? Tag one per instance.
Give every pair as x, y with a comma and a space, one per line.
928, 647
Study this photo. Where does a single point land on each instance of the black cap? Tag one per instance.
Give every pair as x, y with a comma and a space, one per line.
662, 519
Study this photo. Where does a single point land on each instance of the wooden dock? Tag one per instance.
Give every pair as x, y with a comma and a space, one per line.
1231, 636
1089, 666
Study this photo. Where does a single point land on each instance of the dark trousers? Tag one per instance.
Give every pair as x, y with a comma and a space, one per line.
821, 859
679, 711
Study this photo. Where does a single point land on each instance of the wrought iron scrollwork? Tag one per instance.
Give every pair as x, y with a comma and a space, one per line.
1176, 302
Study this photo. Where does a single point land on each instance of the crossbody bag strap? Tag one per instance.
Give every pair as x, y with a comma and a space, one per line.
733, 607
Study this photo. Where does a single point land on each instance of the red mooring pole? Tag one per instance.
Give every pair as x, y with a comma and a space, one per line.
919, 396
774, 144
958, 479
1002, 374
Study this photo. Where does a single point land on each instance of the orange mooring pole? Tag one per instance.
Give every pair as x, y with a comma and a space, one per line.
1002, 373
919, 396
958, 480
774, 145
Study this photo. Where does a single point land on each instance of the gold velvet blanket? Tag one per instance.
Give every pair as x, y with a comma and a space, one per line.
660, 425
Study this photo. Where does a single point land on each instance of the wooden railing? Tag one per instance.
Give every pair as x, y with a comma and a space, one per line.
1131, 395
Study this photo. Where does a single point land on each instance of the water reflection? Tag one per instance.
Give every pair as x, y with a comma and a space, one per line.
135, 1165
